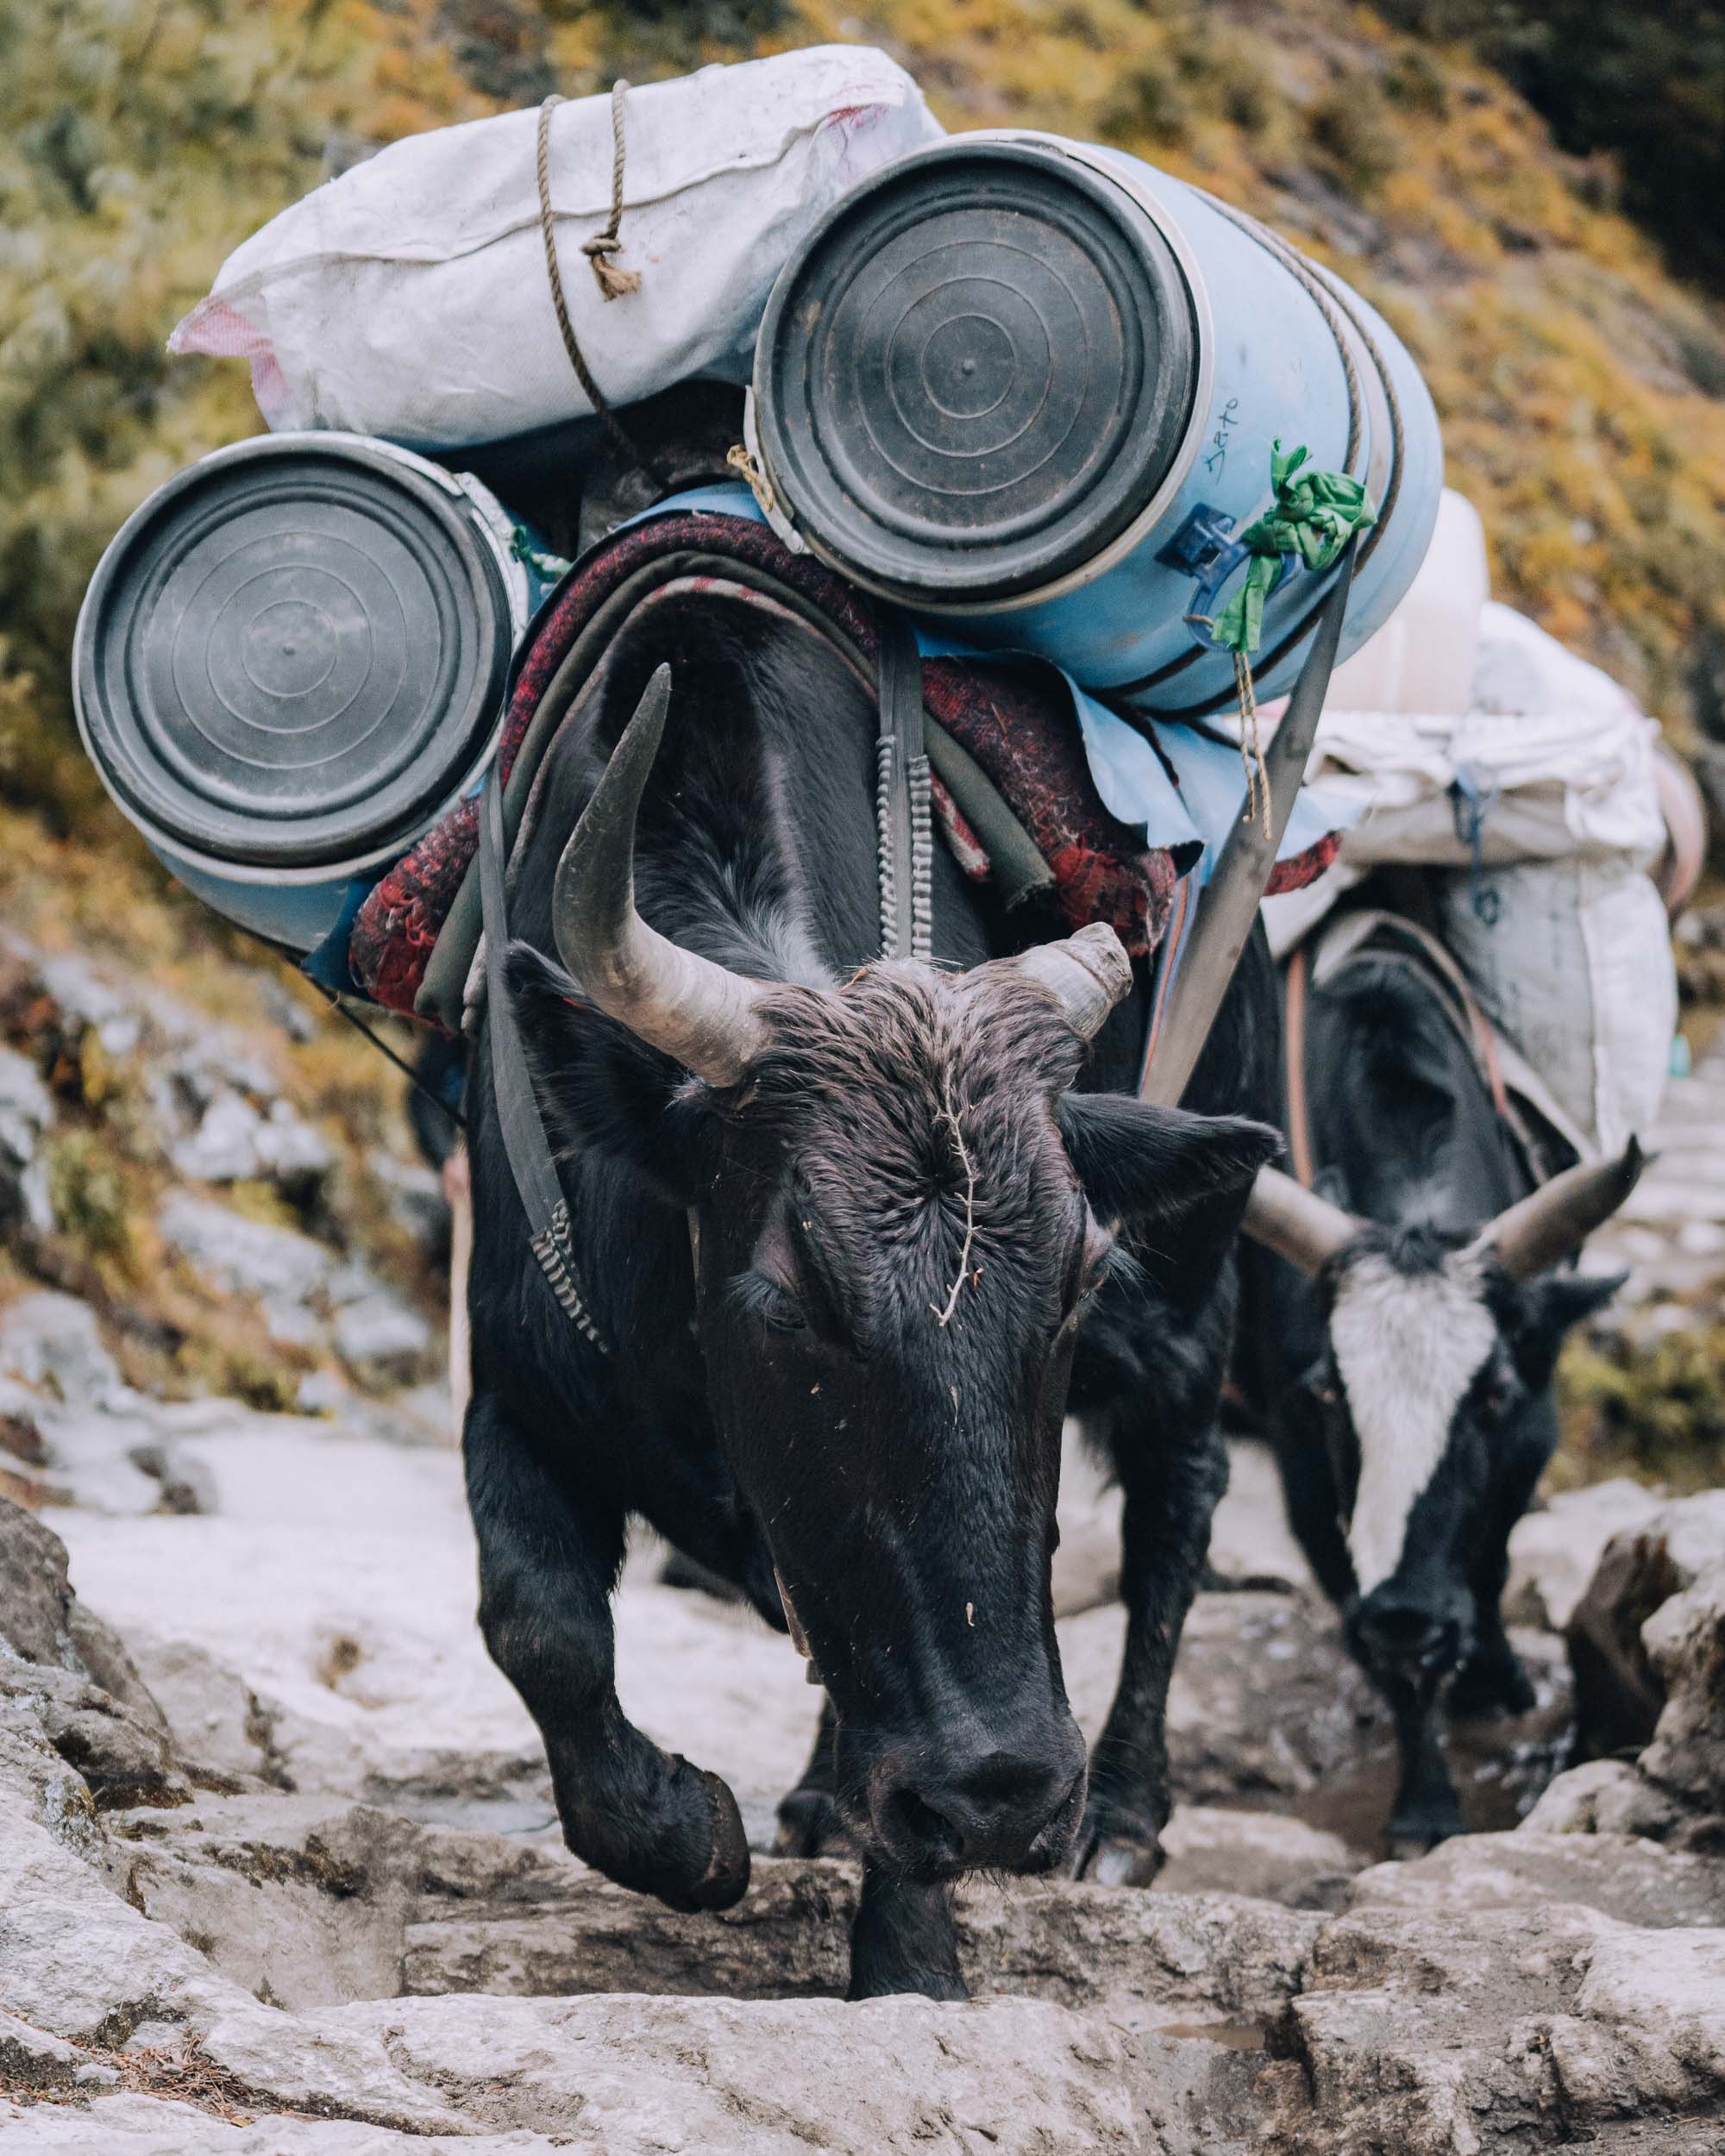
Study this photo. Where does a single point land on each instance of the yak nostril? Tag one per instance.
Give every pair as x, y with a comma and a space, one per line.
911, 1819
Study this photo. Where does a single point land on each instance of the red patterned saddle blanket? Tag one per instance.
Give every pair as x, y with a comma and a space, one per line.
1013, 718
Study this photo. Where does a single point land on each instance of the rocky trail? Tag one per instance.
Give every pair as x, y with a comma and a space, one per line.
280, 1873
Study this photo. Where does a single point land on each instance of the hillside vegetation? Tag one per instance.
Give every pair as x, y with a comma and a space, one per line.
1579, 383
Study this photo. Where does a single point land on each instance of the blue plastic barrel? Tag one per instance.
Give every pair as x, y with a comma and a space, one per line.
291, 662
1030, 388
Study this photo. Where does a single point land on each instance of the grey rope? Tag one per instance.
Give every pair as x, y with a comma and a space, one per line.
1297, 268
613, 281
597, 250
1332, 307
1329, 301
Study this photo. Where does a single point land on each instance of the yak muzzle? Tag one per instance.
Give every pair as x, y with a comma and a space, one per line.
1409, 1635
937, 1809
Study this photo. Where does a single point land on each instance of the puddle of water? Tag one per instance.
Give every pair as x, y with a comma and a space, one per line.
1231, 2035
1499, 1768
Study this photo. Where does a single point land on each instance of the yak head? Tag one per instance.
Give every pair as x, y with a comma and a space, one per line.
900, 1211
1439, 1349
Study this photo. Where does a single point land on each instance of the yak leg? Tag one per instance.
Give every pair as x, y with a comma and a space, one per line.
548, 1564
1492, 1680
1309, 1499
1169, 1499
904, 1939
1427, 1810
808, 1814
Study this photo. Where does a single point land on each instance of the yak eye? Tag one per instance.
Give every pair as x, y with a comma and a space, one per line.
770, 1302
1499, 1393
1096, 1257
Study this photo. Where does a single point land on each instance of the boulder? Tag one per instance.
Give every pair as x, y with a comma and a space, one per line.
1463, 2032
66, 1672
535, 1922
1605, 1796
382, 1338
42, 1621
1554, 1552
122, 1760
1619, 1875
35, 1593
892, 2077
1263, 1854
218, 1722
1648, 1640
302, 1902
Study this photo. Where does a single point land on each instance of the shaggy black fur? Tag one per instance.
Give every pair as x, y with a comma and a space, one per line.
791, 1399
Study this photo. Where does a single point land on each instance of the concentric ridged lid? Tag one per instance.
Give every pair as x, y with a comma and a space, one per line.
292, 652
976, 373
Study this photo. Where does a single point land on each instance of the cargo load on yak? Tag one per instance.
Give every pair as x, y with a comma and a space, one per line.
1090, 451
1512, 805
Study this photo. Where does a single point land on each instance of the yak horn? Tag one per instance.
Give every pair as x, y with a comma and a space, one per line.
1559, 1216
1294, 1222
700, 1013
1088, 974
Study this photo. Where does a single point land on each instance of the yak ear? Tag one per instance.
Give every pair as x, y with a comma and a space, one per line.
1181, 1179
1548, 1308
1138, 1161
599, 1087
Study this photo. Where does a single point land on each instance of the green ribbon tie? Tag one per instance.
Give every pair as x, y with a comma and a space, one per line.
1315, 516
549, 566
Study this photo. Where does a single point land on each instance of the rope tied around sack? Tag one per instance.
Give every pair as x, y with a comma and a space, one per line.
1315, 515
613, 282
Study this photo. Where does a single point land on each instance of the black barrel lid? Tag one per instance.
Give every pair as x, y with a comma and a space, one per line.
976, 372
293, 652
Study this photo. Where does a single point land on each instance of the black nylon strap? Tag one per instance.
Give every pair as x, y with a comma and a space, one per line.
519, 1121
906, 863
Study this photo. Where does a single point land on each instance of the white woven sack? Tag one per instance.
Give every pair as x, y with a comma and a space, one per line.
1572, 962
409, 297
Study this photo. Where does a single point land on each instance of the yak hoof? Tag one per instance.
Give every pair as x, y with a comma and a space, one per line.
1117, 1860
726, 1881
1416, 1828
1116, 1846
809, 1825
